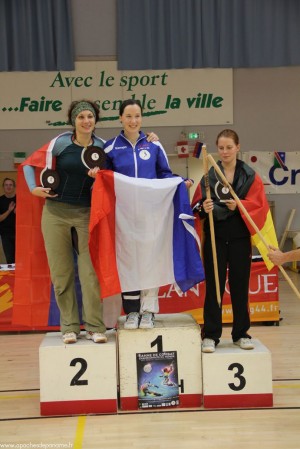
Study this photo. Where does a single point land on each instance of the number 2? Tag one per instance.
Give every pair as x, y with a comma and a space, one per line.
76, 379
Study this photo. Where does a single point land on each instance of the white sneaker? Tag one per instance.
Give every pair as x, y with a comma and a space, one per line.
208, 345
147, 320
97, 337
69, 337
244, 343
132, 321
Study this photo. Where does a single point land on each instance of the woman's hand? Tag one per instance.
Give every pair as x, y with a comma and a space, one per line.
93, 172
276, 256
231, 204
189, 183
208, 205
152, 137
42, 192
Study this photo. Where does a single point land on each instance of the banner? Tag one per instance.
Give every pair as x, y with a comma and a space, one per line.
263, 295
39, 100
279, 170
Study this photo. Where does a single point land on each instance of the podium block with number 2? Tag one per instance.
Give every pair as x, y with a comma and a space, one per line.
78, 378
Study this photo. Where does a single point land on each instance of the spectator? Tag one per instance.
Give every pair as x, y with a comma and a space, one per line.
8, 219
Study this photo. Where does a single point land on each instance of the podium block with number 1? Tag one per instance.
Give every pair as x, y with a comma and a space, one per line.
172, 332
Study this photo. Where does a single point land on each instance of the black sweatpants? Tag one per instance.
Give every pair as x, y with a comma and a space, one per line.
9, 247
235, 255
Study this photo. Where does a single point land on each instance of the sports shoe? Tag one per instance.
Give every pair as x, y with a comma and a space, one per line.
244, 343
97, 337
132, 321
69, 337
208, 345
147, 320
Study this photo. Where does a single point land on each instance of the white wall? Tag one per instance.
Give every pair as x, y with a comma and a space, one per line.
266, 104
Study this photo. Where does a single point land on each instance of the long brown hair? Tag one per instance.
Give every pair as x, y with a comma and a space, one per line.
230, 134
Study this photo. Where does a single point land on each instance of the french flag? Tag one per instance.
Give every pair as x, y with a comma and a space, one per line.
142, 234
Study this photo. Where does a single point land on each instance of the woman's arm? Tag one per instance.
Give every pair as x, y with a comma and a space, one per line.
278, 257
29, 174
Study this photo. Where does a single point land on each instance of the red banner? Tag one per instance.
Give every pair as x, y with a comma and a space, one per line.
263, 297
263, 294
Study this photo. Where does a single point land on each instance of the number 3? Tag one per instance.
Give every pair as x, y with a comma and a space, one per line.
237, 375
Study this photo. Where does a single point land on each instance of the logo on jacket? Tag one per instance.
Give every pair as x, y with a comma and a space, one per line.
144, 154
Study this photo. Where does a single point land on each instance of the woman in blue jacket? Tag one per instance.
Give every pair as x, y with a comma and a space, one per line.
131, 154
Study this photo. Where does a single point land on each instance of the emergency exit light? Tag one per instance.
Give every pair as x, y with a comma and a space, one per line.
193, 136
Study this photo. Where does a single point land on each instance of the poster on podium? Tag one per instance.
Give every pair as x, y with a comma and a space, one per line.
157, 379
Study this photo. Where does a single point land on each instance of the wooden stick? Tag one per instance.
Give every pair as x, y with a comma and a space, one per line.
211, 225
242, 207
287, 228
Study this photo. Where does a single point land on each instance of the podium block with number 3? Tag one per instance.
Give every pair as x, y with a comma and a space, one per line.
237, 378
78, 378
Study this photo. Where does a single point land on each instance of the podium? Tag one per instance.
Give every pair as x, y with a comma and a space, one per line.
237, 378
78, 378
162, 367
177, 334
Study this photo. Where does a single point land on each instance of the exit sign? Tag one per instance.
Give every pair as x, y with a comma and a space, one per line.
193, 136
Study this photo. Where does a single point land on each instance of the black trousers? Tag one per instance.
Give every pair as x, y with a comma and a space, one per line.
131, 301
235, 255
9, 247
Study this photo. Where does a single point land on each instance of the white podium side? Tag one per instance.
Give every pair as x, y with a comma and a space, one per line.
237, 378
78, 378
172, 332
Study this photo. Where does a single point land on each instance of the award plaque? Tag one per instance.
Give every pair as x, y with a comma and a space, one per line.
93, 157
222, 192
50, 178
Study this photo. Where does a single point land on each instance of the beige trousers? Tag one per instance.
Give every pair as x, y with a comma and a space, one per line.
57, 221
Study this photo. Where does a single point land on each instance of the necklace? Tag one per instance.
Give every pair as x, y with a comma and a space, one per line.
219, 180
229, 174
80, 144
